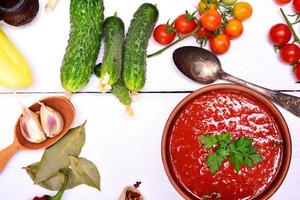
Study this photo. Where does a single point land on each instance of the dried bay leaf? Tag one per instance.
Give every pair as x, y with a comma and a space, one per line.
56, 156
64, 154
85, 171
32, 169
55, 182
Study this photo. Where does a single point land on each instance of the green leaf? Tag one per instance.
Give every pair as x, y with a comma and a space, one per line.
55, 157
208, 140
85, 171
253, 150
225, 138
256, 158
55, 182
243, 144
239, 151
243, 152
248, 162
236, 160
222, 152
214, 162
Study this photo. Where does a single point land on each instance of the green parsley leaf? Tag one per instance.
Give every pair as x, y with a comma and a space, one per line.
239, 151
214, 162
224, 138
253, 150
222, 152
243, 152
248, 162
256, 158
208, 140
243, 144
236, 160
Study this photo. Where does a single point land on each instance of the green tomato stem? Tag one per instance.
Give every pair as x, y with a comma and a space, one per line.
290, 25
180, 38
61, 191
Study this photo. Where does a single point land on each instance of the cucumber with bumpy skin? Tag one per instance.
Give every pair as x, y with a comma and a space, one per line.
86, 18
112, 60
119, 88
135, 47
121, 92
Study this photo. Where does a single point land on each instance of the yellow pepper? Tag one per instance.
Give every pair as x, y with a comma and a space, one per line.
14, 69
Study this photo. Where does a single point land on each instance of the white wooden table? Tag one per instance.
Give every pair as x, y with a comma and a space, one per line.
128, 149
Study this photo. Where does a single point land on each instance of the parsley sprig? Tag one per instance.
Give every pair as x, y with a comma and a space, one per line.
239, 151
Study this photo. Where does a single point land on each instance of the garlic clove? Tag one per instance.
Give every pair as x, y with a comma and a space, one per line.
51, 120
131, 193
31, 128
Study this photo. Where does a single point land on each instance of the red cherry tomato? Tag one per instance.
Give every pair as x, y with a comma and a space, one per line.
203, 33
290, 53
220, 44
282, 2
297, 72
280, 34
296, 4
211, 20
163, 34
185, 24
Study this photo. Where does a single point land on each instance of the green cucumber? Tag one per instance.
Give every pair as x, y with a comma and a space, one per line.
118, 89
86, 18
121, 92
114, 35
135, 46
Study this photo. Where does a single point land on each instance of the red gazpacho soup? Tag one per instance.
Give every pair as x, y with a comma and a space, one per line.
216, 112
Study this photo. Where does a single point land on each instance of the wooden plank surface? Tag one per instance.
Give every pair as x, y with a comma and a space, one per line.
128, 149
125, 149
251, 57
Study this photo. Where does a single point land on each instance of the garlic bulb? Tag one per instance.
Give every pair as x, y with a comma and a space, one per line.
52, 121
30, 126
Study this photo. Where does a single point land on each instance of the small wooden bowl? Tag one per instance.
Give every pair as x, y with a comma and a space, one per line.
59, 103
287, 144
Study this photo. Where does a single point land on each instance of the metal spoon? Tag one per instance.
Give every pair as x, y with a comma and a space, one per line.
204, 67
14, 8
59, 103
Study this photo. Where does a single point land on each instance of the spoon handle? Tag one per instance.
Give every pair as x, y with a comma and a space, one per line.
6, 154
288, 102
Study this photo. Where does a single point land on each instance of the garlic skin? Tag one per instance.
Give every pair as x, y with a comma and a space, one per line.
51, 120
31, 127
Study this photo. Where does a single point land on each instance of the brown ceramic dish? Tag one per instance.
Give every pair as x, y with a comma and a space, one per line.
59, 103
184, 158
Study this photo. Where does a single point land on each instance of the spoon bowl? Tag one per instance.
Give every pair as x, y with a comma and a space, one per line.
59, 103
204, 67
198, 64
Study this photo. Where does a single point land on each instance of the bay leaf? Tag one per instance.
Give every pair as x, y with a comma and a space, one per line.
85, 171
55, 182
32, 169
55, 157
